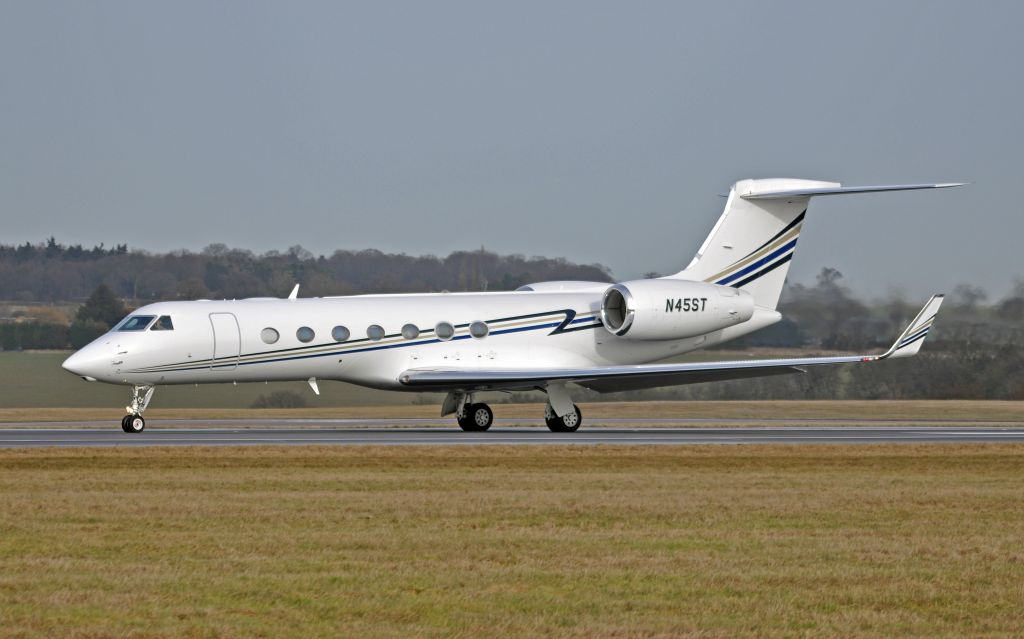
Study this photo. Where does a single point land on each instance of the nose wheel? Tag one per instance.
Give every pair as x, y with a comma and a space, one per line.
133, 424
133, 421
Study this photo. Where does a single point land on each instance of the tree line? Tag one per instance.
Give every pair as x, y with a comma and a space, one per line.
53, 272
976, 349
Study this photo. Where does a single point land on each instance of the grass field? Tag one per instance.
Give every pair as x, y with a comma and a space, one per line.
36, 389
34, 379
515, 541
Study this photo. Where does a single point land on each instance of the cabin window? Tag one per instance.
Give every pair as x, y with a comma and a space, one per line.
136, 323
444, 331
340, 333
269, 335
410, 331
479, 330
375, 332
305, 334
164, 323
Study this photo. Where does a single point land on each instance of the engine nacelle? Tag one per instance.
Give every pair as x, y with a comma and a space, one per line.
672, 309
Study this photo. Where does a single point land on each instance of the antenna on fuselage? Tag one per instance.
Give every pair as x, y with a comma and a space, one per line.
295, 293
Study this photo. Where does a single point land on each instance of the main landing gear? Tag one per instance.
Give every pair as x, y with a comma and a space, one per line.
133, 421
475, 418
568, 423
561, 414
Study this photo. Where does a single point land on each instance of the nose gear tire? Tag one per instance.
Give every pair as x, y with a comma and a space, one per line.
133, 424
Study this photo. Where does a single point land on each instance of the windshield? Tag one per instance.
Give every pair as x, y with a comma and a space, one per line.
136, 323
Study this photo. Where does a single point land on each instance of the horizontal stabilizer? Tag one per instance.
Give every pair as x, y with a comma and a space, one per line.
841, 190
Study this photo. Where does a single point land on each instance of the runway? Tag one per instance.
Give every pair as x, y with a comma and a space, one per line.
413, 432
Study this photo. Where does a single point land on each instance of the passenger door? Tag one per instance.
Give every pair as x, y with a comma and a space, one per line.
227, 341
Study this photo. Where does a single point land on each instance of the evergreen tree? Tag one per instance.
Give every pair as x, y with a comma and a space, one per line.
102, 306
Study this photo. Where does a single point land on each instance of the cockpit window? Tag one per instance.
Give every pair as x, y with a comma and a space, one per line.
163, 324
136, 323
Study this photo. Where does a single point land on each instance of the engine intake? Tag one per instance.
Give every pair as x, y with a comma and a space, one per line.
672, 309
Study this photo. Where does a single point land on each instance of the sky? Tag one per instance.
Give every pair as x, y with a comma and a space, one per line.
595, 131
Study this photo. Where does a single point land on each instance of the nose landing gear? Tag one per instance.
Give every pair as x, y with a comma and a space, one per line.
133, 421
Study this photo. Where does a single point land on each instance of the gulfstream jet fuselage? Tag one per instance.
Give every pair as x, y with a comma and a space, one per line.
544, 336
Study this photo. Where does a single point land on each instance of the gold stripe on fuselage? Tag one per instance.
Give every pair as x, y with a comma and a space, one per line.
342, 347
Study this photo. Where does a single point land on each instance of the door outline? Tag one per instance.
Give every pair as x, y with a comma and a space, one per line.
229, 361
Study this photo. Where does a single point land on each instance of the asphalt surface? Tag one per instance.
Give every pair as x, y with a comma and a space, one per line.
420, 432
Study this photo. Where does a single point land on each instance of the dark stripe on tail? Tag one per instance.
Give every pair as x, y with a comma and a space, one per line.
766, 271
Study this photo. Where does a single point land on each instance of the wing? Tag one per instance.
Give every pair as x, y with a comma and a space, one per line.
607, 379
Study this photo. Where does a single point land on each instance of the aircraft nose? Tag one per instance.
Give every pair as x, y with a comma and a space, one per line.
85, 363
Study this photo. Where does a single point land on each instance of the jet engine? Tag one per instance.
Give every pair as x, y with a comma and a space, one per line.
664, 309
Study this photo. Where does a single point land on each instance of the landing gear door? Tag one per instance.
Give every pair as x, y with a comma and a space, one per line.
227, 341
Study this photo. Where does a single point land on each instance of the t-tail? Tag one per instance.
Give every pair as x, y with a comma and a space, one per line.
751, 245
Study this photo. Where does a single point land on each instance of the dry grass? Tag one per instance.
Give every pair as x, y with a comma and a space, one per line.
752, 411
513, 541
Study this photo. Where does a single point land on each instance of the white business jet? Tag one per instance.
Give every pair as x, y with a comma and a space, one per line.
544, 336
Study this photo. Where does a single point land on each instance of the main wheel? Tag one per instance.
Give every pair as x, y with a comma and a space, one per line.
479, 418
134, 424
550, 418
124, 423
567, 424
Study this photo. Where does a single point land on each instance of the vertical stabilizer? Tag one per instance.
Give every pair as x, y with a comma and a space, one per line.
753, 241
751, 245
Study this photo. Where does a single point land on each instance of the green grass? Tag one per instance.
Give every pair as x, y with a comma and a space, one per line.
513, 541
35, 379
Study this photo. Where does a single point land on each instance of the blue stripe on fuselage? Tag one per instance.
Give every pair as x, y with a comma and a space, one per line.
226, 364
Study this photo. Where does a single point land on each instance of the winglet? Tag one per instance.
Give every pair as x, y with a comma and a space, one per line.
910, 340
295, 293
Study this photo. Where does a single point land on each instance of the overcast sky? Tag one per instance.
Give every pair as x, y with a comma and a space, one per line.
599, 132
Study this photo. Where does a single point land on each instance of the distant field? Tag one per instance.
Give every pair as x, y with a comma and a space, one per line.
513, 541
35, 388
35, 379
